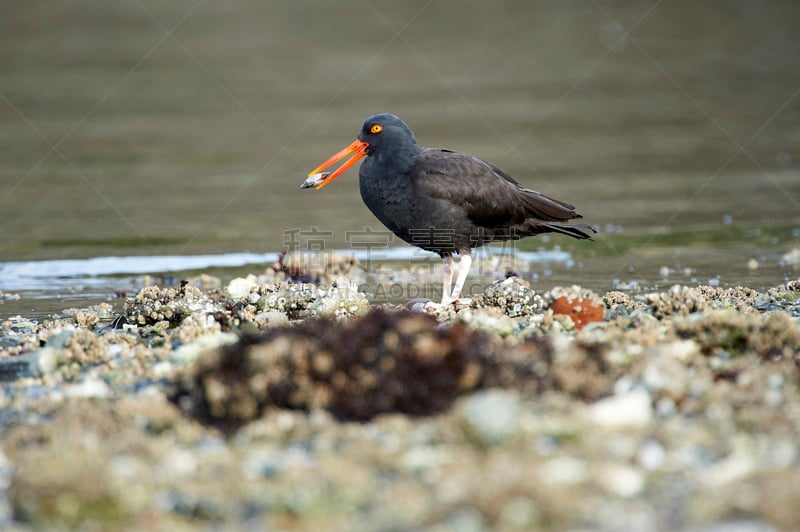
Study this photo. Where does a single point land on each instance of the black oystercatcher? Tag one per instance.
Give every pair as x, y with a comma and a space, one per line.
442, 200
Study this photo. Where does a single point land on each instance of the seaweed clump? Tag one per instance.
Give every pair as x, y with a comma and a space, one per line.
384, 362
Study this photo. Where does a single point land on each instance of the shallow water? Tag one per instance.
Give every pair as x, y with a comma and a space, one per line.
44, 288
678, 140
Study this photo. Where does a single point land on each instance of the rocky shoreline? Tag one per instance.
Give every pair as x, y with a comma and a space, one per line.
288, 401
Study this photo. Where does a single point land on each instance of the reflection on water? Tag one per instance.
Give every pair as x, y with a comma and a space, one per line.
672, 126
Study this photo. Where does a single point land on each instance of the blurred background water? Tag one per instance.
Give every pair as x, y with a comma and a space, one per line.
146, 128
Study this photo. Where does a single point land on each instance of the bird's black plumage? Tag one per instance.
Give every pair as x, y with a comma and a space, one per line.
446, 201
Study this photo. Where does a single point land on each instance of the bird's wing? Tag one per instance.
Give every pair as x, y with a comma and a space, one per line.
489, 196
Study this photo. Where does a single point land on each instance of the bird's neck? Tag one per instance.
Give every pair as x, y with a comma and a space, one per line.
384, 179
397, 161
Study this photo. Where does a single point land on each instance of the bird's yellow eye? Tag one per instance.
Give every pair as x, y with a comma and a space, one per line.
376, 128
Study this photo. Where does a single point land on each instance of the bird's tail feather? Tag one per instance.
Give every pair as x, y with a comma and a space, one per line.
573, 230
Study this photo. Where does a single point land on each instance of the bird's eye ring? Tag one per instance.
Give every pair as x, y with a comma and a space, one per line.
376, 128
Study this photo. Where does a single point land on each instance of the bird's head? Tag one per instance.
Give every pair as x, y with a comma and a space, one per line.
385, 130
379, 134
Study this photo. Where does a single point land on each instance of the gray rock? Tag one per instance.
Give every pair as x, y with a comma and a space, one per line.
631, 409
33, 364
60, 339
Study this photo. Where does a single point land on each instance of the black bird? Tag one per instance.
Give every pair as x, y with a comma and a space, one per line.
442, 200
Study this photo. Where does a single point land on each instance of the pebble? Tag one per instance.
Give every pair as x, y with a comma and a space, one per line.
464, 520
90, 387
631, 409
563, 470
520, 513
422, 458
651, 455
682, 349
621, 480
163, 369
60, 339
179, 463
271, 318
727, 471
491, 416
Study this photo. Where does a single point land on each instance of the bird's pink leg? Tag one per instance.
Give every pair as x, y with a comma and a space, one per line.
463, 270
447, 268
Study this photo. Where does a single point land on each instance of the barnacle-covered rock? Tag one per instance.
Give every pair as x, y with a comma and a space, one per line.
737, 297
292, 299
583, 370
785, 296
513, 296
773, 335
194, 326
571, 292
580, 311
154, 304
341, 300
678, 300
260, 302
621, 303
20, 335
87, 348
87, 319
581, 305
90, 317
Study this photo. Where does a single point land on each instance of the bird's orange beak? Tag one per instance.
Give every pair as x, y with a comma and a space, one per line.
358, 147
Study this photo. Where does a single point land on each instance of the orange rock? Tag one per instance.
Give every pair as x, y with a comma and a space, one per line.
582, 311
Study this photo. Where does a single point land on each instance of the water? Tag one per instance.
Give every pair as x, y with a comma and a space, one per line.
118, 139
52, 286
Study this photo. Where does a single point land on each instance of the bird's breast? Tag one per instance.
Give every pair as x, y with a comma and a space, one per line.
389, 196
